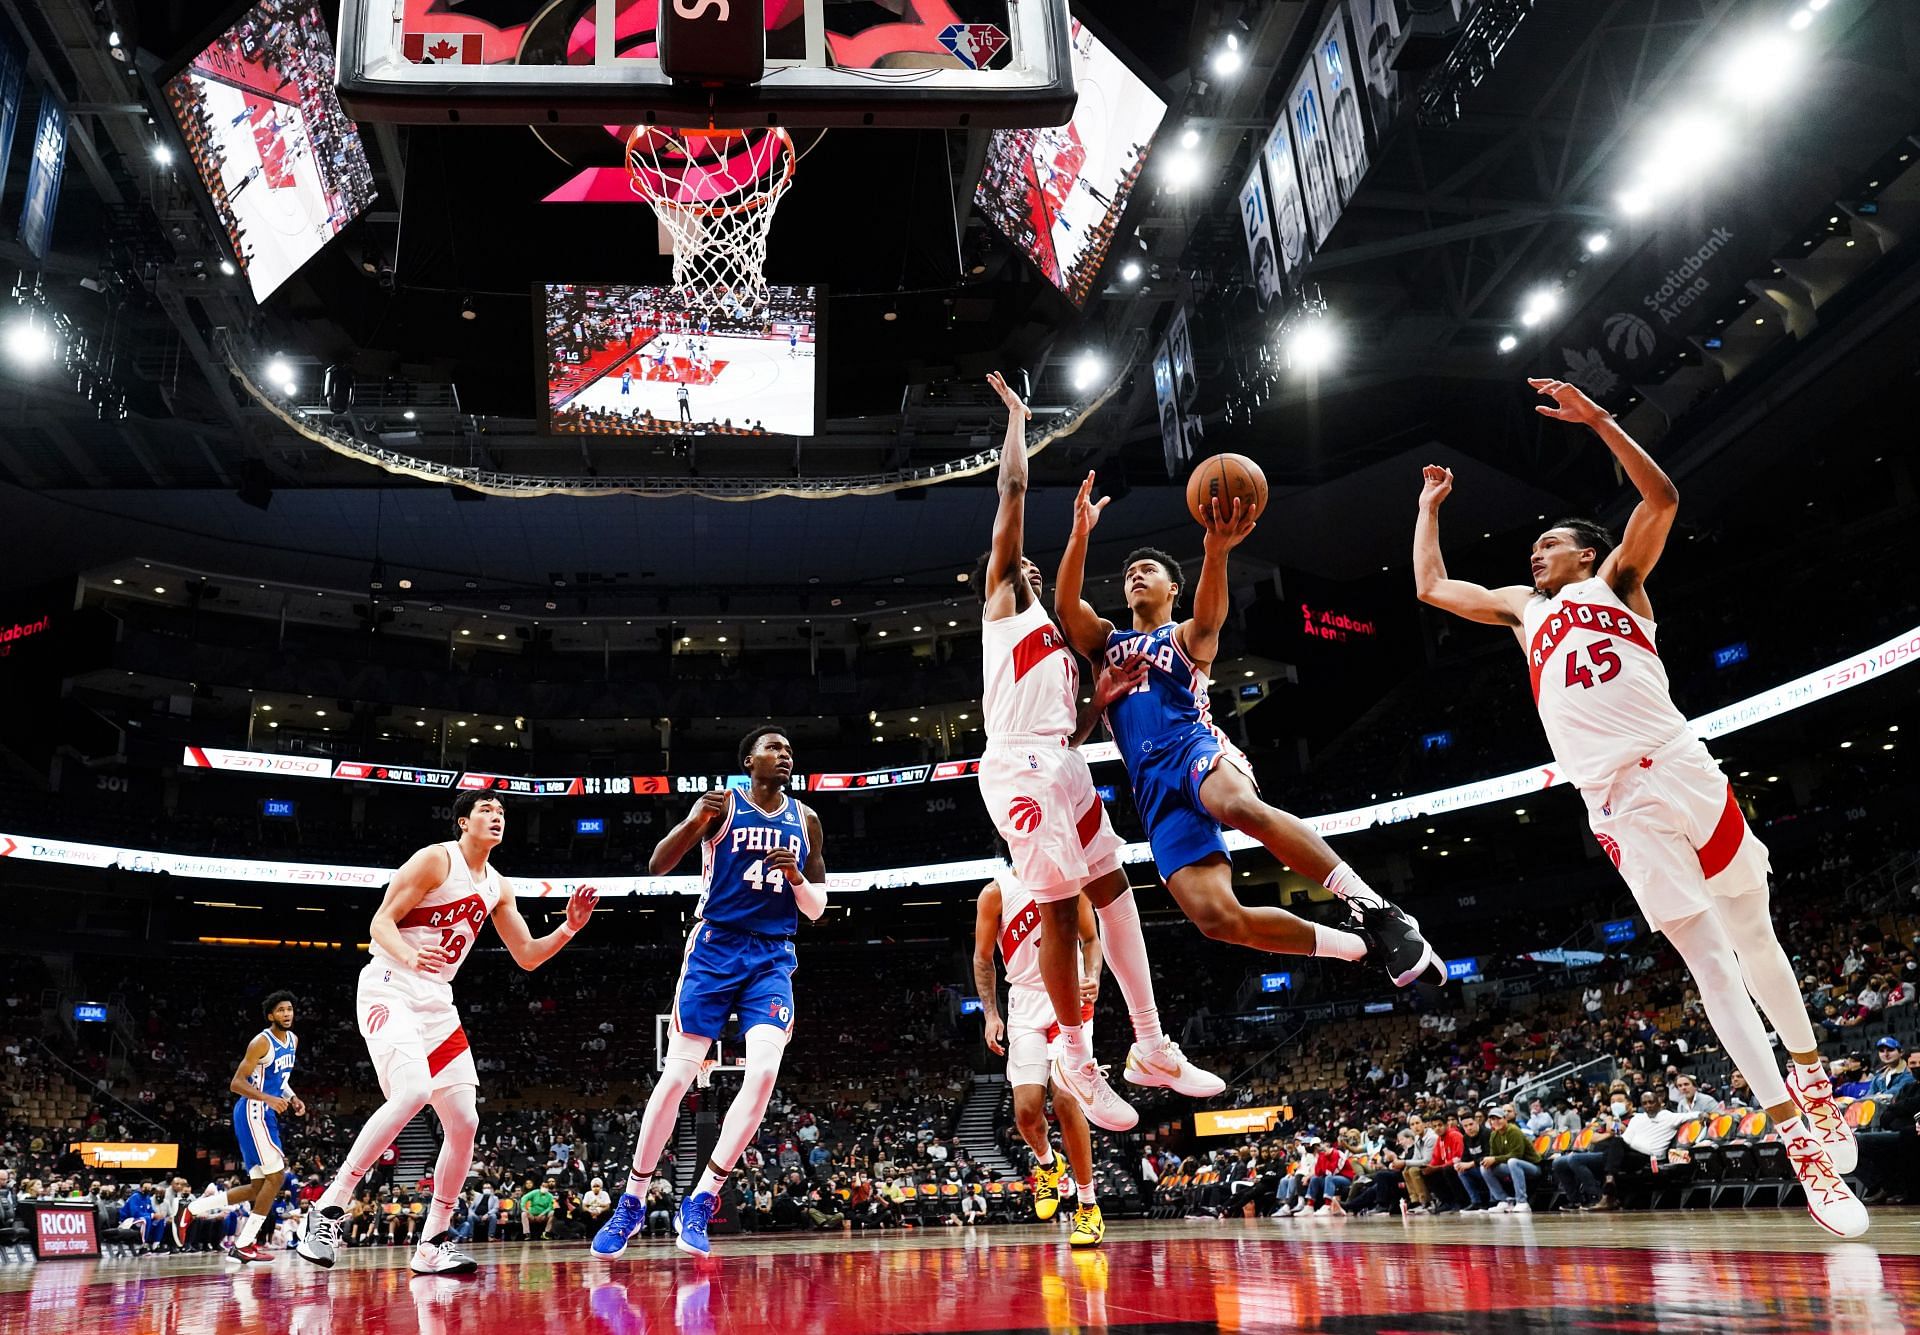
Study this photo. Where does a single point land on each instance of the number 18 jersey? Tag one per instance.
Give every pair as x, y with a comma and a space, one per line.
738, 890
1598, 681
451, 914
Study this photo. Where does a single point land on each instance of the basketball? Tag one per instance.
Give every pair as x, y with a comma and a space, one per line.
1226, 476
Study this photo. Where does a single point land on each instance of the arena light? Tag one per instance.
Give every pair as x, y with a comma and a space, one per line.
1634, 201
1182, 170
163, 155
226, 267
1228, 59
1088, 368
1189, 138
281, 373
1800, 18
1760, 69
1598, 242
1507, 344
1312, 345
29, 341
1540, 303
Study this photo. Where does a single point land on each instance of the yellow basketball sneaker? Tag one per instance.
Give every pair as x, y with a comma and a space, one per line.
1046, 1186
1088, 1227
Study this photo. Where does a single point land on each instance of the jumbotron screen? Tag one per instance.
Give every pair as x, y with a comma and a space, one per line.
282, 162
626, 360
1058, 193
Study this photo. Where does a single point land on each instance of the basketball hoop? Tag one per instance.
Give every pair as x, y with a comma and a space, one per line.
715, 192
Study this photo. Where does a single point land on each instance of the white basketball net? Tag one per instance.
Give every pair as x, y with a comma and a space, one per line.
715, 193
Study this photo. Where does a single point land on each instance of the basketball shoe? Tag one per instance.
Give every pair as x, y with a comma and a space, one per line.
1813, 1096
1394, 942
320, 1240
1046, 1186
1087, 1086
1088, 1227
438, 1256
1161, 1064
622, 1224
690, 1223
253, 1251
1829, 1200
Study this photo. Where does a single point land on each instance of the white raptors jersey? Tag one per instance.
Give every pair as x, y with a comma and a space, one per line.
1020, 934
1033, 679
450, 915
1597, 680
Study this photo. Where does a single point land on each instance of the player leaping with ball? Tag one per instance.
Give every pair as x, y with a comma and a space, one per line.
1656, 799
763, 866
422, 932
1040, 797
1189, 781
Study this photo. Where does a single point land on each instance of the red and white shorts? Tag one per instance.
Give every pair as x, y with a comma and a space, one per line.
1033, 1038
1040, 795
407, 1017
1672, 827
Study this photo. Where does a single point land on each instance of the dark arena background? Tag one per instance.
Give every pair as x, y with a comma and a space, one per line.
398, 447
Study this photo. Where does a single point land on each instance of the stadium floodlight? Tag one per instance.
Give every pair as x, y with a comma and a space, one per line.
1087, 370
1800, 19
1634, 200
1189, 138
1760, 69
1598, 242
1228, 59
162, 155
1182, 170
1130, 271
1540, 303
281, 374
1312, 344
1508, 343
226, 267
29, 342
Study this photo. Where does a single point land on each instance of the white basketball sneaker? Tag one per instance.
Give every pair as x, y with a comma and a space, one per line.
1087, 1086
1813, 1096
438, 1256
1829, 1200
1161, 1064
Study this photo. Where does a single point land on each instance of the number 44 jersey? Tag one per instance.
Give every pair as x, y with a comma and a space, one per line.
1598, 681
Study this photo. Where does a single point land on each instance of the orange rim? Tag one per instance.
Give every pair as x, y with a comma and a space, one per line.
763, 194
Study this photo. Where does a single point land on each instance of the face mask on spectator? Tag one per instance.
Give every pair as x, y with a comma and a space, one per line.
1619, 1107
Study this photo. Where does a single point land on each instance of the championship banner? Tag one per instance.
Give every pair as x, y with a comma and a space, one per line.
135, 1155
1257, 222
1339, 85
1238, 1121
1871, 665
1306, 109
13, 81
44, 171
1173, 446
1289, 210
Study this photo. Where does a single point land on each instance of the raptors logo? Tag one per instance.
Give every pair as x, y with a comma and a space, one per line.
376, 1017
1024, 815
1611, 847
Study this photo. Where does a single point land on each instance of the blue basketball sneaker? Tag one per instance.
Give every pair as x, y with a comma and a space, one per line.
690, 1222
622, 1224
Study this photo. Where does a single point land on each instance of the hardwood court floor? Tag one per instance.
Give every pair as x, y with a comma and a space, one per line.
1720, 1273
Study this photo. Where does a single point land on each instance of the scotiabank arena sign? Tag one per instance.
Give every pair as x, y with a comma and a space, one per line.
64, 1230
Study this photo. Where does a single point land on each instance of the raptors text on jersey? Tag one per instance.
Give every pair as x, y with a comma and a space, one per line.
451, 914
1032, 677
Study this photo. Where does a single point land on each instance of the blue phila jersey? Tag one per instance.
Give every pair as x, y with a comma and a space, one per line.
738, 890
270, 1076
1169, 705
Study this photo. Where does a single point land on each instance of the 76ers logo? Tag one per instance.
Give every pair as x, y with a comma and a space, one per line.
780, 1011
1611, 847
376, 1016
1024, 815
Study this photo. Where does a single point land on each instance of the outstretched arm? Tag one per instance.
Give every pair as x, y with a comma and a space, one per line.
1475, 602
1010, 520
1112, 682
528, 951
1227, 527
1086, 629
1627, 566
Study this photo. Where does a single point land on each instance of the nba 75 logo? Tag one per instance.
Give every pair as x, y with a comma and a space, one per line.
1024, 815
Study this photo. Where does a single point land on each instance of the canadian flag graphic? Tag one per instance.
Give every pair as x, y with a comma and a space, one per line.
443, 48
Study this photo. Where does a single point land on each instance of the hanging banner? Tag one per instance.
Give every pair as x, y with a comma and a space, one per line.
1289, 211
13, 81
1257, 222
43, 175
1172, 439
1306, 110
1340, 87
1375, 26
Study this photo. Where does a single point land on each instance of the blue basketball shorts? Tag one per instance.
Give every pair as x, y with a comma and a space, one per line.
257, 1128
1166, 793
726, 972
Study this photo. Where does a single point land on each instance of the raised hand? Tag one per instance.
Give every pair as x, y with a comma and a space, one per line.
1228, 525
1008, 395
712, 805
580, 906
1436, 485
1086, 511
1570, 404
1118, 679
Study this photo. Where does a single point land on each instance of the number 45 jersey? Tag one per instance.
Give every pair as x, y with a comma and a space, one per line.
1598, 681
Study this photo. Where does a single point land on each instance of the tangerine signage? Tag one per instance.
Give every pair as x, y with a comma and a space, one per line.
1236, 1121
127, 1154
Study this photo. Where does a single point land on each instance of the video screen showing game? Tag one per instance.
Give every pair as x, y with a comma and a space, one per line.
1059, 193
630, 360
283, 164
